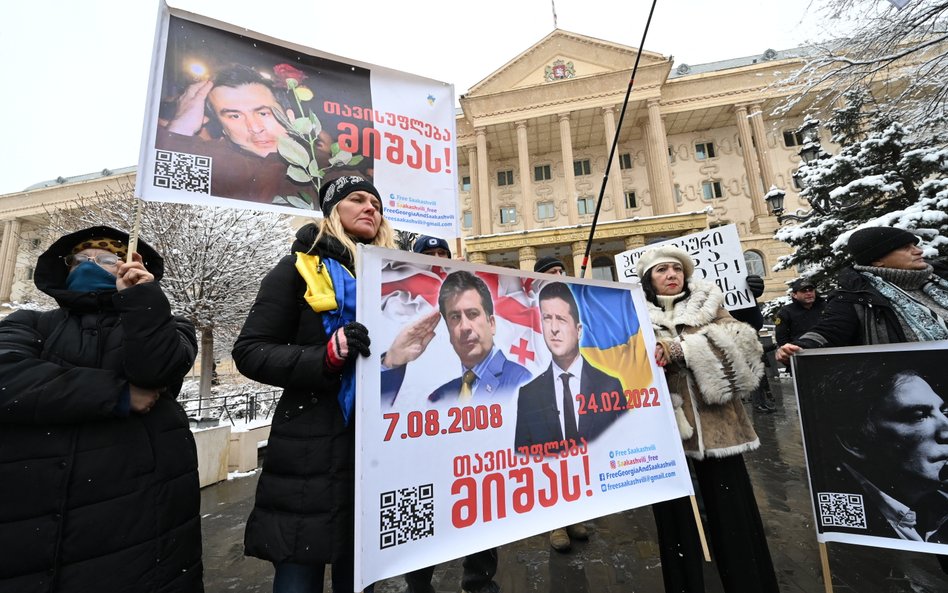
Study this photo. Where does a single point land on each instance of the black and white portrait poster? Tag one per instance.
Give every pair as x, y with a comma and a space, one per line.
875, 432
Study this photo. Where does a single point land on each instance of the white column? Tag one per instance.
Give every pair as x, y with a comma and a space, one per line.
8, 252
615, 175
663, 202
484, 226
750, 161
566, 147
763, 155
526, 178
475, 190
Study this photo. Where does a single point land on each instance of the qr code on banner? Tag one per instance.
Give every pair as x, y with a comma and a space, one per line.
841, 510
407, 514
180, 170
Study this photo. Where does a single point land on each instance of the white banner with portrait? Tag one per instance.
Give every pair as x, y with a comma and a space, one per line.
242, 120
875, 434
469, 434
718, 258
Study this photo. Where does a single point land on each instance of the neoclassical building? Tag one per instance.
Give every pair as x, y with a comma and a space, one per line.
698, 147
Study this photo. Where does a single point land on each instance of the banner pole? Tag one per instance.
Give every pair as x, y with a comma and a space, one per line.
700, 526
615, 142
825, 563
133, 234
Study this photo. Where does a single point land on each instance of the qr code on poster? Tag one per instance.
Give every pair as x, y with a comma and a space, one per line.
180, 170
407, 514
841, 510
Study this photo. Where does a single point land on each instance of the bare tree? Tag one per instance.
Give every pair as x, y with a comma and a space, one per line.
899, 55
214, 258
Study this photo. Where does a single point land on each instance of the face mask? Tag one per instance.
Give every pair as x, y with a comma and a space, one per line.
88, 277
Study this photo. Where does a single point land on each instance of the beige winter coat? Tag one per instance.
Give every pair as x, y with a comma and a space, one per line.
722, 361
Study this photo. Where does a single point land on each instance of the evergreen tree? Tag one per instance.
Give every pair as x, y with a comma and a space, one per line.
882, 176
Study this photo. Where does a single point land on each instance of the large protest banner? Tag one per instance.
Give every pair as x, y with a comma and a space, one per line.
449, 462
718, 258
875, 433
238, 119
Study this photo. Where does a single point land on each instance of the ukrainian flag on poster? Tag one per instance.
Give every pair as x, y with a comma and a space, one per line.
611, 339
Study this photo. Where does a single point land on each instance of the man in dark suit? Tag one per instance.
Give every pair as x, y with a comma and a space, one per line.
547, 408
465, 303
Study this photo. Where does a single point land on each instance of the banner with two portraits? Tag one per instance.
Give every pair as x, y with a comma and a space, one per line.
875, 432
241, 120
498, 404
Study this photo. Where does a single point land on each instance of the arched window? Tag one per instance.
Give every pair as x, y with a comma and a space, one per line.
603, 269
755, 263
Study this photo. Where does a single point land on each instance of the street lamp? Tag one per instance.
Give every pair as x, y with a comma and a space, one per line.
810, 152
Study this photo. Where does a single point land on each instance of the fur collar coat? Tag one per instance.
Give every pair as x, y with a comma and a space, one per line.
720, 362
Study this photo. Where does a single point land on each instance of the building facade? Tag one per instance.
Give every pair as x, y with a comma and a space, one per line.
697, 147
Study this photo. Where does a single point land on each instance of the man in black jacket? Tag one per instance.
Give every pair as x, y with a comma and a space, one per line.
795, 319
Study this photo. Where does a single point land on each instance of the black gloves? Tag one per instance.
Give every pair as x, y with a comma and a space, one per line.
756, 285
358, 338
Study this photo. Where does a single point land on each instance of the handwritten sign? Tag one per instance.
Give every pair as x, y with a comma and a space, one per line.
718, 258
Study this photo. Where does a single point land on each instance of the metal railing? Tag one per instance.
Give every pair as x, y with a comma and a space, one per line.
245, 407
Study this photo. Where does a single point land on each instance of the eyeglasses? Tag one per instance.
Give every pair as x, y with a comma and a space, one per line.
105, 259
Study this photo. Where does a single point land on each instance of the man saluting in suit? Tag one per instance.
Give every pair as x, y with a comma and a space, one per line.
547, 409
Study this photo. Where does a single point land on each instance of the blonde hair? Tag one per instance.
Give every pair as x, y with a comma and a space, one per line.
332, 226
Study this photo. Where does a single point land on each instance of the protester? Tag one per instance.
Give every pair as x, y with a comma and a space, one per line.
710, 361
890, 294
301, 335
480, 567
761, 397
98, 470
549, 265
803, 312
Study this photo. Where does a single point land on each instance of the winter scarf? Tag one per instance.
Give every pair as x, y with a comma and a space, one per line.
331, 291
926, 322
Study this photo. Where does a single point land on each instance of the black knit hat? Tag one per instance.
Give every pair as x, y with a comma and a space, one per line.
870, 244
545, 263
333, 192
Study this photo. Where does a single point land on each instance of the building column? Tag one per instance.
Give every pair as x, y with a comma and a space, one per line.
663, 200
750, 161
475, 190
579, 249
8, 252
566, 147
526, 180
528, 257
615, 175
477, 257
634, 241
763, 155
484, 226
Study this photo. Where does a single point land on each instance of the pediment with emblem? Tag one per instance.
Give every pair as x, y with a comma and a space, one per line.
562, 55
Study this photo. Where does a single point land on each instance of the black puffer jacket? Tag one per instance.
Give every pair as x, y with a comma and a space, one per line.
303, 509
90, 500
856, 315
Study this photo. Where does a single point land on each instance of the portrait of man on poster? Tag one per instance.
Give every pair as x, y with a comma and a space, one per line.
883, 438
465, 304
547, 407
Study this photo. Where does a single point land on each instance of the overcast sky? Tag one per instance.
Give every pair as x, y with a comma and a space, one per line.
76, 72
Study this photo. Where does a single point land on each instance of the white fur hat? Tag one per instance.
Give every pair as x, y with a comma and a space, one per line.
663, 255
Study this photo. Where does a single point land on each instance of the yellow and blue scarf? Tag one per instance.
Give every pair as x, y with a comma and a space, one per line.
331, 291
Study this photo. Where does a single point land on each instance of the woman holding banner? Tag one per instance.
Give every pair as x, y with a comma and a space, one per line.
710, 361
301, 335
